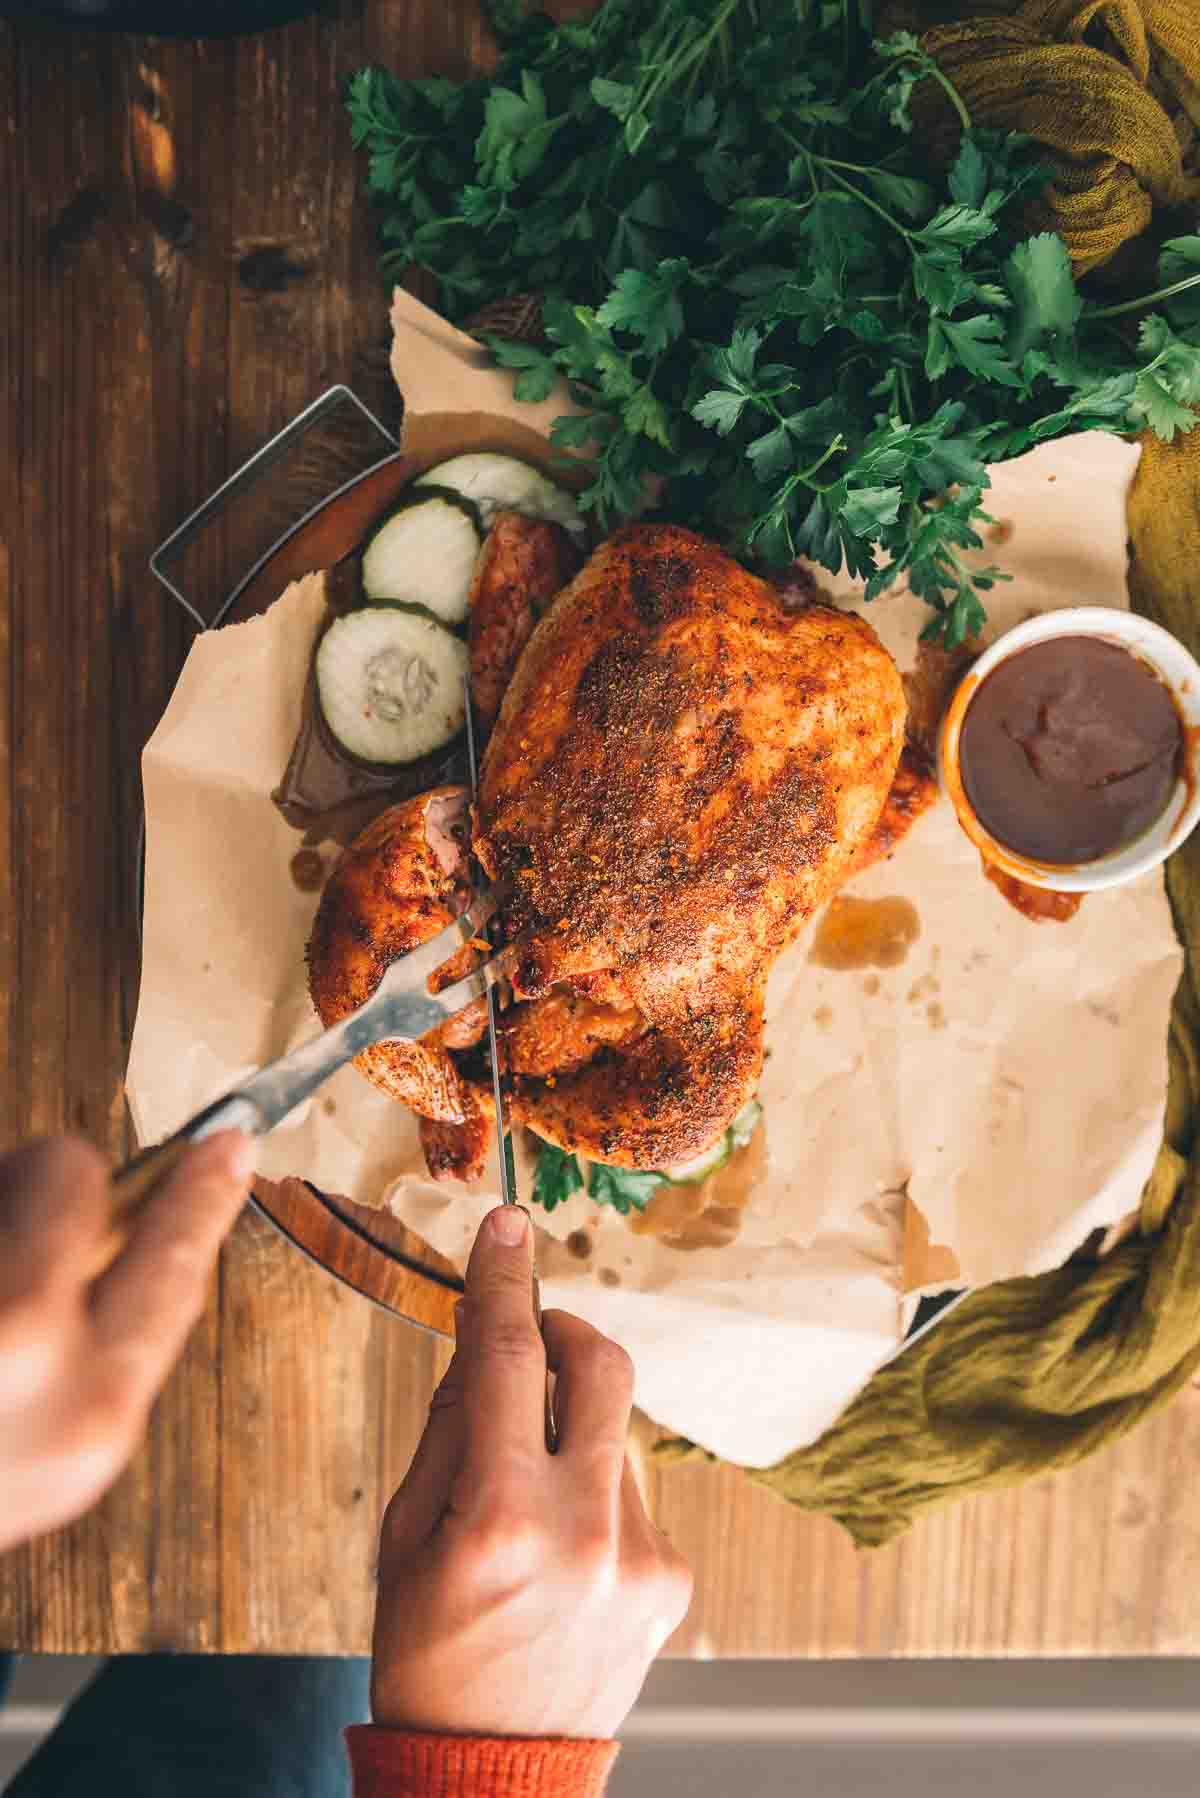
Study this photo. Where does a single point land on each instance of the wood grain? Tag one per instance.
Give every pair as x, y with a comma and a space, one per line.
187, 261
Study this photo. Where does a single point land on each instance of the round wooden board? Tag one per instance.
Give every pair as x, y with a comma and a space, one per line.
368, 1250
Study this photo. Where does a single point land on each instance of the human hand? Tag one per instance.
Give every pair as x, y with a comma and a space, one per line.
521, 1593
82, 1359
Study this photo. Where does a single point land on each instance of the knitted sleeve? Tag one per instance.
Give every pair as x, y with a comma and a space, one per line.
390, 1763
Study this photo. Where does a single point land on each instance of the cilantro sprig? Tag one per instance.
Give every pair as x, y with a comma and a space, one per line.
558, 1177
812, 340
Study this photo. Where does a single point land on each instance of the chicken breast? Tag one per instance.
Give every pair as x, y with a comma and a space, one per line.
681, 772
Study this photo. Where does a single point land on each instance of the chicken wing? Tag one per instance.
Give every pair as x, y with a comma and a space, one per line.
398, 884
524, 562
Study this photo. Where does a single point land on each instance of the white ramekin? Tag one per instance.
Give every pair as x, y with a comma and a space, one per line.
1178, 670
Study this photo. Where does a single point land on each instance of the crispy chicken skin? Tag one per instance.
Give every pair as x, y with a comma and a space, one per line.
564, 1030
399, 883
913, 790
524, 562
682, 770
458, 1151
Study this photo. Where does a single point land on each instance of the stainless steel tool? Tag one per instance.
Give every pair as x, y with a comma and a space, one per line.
508, 1174
402, 1005
508, 1178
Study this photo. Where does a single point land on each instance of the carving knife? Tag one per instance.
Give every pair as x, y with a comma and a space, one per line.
508, 1177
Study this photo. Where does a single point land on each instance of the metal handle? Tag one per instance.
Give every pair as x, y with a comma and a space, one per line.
244, 477
251, 469
133, 1183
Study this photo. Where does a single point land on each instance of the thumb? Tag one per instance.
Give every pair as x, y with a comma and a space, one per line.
504, 1376
499, 1278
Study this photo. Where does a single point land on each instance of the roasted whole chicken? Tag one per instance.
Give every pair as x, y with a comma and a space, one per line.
681, 772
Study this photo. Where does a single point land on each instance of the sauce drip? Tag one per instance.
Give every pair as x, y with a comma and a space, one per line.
308, 870
865, 933
929, 688
1037, 903
1070, 750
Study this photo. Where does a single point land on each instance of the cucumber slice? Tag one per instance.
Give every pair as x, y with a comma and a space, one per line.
496, 483
688, 1173
736, 1137
424, 554
390, 683
745, 1124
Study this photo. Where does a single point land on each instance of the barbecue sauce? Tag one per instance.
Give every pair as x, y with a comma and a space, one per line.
1070, 750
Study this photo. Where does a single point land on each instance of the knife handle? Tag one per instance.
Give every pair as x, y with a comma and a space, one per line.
551, 1429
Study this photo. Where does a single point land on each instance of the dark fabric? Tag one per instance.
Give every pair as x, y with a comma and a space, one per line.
204, 1726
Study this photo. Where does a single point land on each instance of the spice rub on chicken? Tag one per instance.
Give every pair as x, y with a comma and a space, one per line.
401, 881
681, 772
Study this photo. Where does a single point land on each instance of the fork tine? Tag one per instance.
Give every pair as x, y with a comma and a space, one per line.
493, 973
483, 905
428, 956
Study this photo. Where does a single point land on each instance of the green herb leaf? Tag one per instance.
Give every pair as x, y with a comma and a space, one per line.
969, 176
720, 408
1179, 260
772, 303
647, 305
868, 508
556, 1178
971, 343
616, 97
915, 199
645, 416
621, 1187
957, 227
1046, 302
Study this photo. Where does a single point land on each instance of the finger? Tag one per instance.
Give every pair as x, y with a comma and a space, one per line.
53, 1210
593, 1398
504, 1370
145, 1305
421, 1499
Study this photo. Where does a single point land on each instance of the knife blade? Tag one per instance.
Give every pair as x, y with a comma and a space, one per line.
508, 1175
508, 1180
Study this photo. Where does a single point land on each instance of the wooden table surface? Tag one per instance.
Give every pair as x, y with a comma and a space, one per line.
188, 261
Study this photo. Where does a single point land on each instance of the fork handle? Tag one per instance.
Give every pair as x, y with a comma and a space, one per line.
143, 1173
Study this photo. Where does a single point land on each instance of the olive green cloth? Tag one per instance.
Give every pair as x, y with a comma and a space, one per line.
1030, 1375
1110, 87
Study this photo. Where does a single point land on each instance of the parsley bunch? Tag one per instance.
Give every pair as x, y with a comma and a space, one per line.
813, 341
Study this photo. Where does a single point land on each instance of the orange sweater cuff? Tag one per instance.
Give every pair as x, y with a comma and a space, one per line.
390, 1763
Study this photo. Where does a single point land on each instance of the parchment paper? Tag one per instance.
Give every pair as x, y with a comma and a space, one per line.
970, 1114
